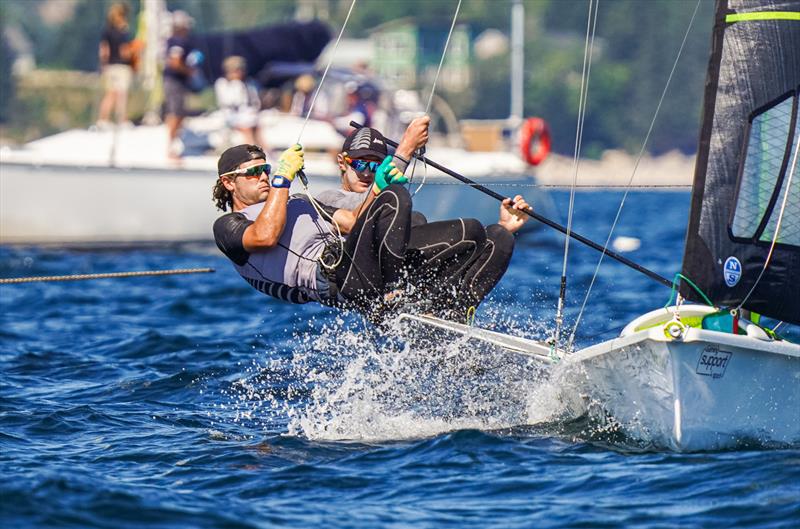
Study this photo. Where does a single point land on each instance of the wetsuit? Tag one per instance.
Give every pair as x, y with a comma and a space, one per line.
448, 266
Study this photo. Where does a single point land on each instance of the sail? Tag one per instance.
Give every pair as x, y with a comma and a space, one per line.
747, 163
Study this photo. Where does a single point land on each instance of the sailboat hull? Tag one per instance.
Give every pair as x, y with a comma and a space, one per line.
706, 391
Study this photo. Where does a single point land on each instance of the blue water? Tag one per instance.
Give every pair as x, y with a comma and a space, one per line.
194, 401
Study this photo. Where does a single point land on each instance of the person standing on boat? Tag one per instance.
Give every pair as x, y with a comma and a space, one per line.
179, 67
285, 247
116, 54
237, 98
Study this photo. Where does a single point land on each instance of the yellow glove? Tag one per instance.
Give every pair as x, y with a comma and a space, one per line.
290, 162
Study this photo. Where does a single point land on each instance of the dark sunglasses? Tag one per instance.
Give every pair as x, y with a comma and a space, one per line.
363, 165
250, 172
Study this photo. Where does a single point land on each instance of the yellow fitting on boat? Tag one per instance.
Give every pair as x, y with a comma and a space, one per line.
675, 330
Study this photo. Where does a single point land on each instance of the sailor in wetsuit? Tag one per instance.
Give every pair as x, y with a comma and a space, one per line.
470, 279
285, 248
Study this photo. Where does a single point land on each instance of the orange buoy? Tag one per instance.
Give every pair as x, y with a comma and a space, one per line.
534, 140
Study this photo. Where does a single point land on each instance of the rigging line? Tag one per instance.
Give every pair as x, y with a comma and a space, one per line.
544, 220
301, 174
633, 173
109, 275
441, 60
591, 27
433, 90
567, 186
777, 225
325, 73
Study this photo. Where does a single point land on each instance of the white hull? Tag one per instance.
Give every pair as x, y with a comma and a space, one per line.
65, 188
706, 391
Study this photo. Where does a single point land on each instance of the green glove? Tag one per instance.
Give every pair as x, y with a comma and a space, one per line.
290, 162
386, 174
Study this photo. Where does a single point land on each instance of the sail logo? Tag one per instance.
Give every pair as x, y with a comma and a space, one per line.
713, 362
732, 271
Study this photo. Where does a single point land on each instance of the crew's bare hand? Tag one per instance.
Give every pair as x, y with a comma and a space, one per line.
415, 136
512, 216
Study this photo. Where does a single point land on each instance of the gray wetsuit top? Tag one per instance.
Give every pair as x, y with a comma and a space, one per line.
288, 271
341, 199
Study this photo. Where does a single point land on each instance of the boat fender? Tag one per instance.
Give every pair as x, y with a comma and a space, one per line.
534, 140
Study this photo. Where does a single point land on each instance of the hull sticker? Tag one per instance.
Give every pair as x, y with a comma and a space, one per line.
713, 362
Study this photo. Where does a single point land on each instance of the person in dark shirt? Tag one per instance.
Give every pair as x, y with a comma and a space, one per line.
178, 69
116, 55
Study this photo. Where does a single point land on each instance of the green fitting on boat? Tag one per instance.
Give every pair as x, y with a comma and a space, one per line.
763, 15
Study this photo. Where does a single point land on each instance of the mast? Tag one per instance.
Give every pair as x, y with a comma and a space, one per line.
517, 61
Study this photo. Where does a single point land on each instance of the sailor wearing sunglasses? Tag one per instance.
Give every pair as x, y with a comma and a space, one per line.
276, 241
363, 151
286, 248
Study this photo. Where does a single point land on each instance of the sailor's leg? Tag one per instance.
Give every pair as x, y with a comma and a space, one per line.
487, 270
375, 249
440, 254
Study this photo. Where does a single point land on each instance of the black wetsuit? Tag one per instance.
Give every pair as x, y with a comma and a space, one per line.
448, 266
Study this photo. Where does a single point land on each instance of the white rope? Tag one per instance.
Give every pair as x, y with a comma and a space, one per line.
777, 226
325, 73
338, 233
430, 99
633, 174
441, 60
591, 25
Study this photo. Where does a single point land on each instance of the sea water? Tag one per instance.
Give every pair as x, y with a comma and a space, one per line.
195, 401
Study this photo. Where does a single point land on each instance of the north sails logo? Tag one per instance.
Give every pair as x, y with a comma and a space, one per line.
732, 271
361, 140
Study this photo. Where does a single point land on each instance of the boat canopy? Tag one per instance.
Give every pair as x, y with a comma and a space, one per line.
291, 42
747, 163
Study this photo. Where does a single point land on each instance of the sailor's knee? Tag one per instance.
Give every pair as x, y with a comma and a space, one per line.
399, 193
502, 238
474, 231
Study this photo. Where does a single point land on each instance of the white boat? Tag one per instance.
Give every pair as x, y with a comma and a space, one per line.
694, 377
120, 186
688, 388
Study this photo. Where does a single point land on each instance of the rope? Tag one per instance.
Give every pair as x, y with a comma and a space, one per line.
325, 73
633, 173
563, 186
591, 26
430, 99
777, 227
441, 60
110, 275
338, 233
691, 284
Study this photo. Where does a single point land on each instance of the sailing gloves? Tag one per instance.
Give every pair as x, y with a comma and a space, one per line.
289, 164
387, 173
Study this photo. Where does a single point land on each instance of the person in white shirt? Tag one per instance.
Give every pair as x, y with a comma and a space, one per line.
237, 97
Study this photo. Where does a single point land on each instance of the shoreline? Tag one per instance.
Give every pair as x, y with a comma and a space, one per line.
615, 167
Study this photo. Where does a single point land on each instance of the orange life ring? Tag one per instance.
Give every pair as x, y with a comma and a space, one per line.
534, 140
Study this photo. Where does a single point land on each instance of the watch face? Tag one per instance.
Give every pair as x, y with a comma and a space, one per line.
279, 181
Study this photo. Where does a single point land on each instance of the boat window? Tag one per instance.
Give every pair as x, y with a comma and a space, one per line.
767, 164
